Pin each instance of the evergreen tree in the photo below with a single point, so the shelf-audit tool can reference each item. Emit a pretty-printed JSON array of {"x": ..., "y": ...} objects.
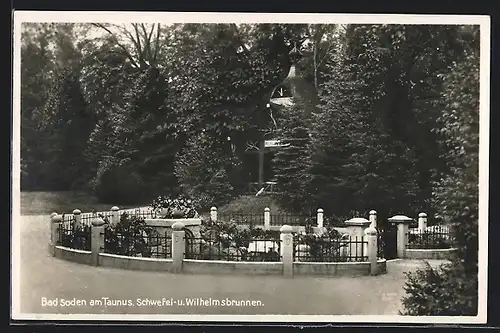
[
  {"x": 207, "y": 170},
  {"x": 65, "y": 130},
  {"x": 292, "y": 161}
]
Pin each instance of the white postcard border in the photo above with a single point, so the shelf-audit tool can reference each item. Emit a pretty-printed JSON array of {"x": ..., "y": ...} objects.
[{"x": 198, "y": 17}]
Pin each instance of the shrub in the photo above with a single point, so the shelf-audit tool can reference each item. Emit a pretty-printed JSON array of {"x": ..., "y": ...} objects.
[
  {"x": 446, "y": 291},
  {"x": 207, "y": 170},
  {"x": 76, "y": 237},
  {"x": 129, "y": 237},
  {"x": 322, "y": 247},
  {"x": 179, "y": 207},
  {"x": 225, "y": 239}
]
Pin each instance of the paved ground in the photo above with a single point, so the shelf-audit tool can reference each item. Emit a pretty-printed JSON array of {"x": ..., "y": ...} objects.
[{"x": 43, "y": 276}]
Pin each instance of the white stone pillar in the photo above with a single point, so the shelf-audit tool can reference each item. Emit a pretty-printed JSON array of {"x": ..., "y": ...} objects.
[
  {"x": 178, "y": 246},
  {"x": 213, "y": 214},
  {"x": 267, "y": 218},
  {"x": 97, "y": 239},
  {"x": 371, "y": 238},
  {"x": 286, "y": 239},
  {"x": 55, "y": 224},
  {"x": 373, "y": 219},
  {"x": 77, "y": 221},
  {"x": 402, "y": 223},
  {"x": 422, "y": 222},
  {"x": 115, "y": 216},
  {"x": 319, "y": 218}
]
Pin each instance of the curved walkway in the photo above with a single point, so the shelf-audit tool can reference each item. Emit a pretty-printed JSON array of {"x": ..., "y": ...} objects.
[{"x": 45, "y": 277}]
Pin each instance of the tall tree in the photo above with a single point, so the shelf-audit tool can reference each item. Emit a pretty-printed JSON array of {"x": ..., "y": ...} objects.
[
  {"x": 292, "y": 161},
  {"x": 46, "y": 50}
]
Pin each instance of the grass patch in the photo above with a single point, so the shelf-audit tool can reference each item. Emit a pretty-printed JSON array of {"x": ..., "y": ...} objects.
[
  {"x": 46, "y": 202},
  {"x": 250, "y": 204}
]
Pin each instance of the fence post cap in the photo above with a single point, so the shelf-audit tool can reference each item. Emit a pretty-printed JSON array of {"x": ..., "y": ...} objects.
[
  {"x": 286, "y": 229},
  {"x": 97, "y": 222},
  {"x": 267, "y": 209},
  {"x": 115, "y": 209},
  {"x": 57, "y": 218},
  {"x": 400, "y": 219},
  {"x": 422, "y": 215},
  {"x": 213, "y": 208},
  {"x": 178, "y": 226},
  {"x": 373, "y": 212},
  {"x": 370, "y": 231},
  {"x": 320, "y": 210},
  {"x": 77, "y": 211},
  {"x": 357, "y": 221},
  {"x": 53, "y": 214}
]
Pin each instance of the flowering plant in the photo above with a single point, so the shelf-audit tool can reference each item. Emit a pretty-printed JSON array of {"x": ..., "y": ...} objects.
[{"x": 180, "y": 207}]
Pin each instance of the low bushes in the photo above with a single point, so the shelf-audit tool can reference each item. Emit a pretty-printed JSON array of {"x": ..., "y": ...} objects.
[
  {"x": 128, "y": 237},
  {"x": 75, "y": 237},
  {"x": 446, "y": 291},
  {"x": 179, "y": 207}
]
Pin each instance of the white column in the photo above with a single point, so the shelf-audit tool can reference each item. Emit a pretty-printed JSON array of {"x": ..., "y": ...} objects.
[
  {"x": 286, "y": 239},
  {"x": 267, "y": 218},
  {"x": 371, "y": 236},
  {"x": 373, "y": 219},
  {"x": 213, "y": 214},
  {"x": 77, "y": 222},
  {"x": 178, "y": 246},
  {"x": 115, "y": 215},
  {"x": 319, "y": 218},
  {"x": 402, "y": 222},
  {"x": 97, "y": 239},
  {"x": 422, "y": 222}
]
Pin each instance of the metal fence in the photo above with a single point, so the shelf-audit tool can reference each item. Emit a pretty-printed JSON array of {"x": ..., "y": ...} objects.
[
  {"x": 75, "y": 237},
  {"x": 347, "y": 249},
  {"x": 257, "y": 250},
  {"x": 435, "y": 237},
  {"x": 291, "y": 219},
  {"x": 241, "y": 219},
  {"x": 132, "y": 242},
  {"x": 258, "y": 219},
  {"x": 144, "y": 213}
]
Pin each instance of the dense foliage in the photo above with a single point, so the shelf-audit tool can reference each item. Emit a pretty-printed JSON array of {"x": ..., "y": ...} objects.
[
  {"x": 453, "y": 289},
  {"x": 444, "y": 291},
  {"x": 128, "y": 237},
  {"x": 178, "y": 207}
]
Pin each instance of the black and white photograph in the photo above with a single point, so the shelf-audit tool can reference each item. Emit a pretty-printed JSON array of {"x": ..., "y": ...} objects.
[{"x": 253, "y": 167}]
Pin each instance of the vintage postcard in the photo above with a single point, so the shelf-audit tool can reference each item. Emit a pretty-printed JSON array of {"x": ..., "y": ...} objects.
[{"x": 257, "y": 167}]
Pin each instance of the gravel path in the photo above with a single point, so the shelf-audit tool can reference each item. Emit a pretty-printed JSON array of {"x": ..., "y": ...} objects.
[{"x": 44, "y": 277}]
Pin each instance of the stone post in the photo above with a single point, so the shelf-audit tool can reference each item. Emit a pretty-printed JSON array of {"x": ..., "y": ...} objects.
[
  {"x": 178, "y": 246},
  {"x": 319, "y": 218},
  {"x": 77, "y": 221},
  {"x": 371, "y": 237},
  {"x": 356, "y": 228},
  {"x": 55, "y": 224},
  {"x": 115, "y": 215},
  {"x": 286, "y": 239},
  {"x": 51, "y": 218},
  {"x": 213, "y": 214},
  {"x": 422, "y": 222},
  {"x": 97, "y": 239},
  {"x": 373, "y": 219},
  {"x": 402, "y": 223},
  {"x": 267, "y": 218}
]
